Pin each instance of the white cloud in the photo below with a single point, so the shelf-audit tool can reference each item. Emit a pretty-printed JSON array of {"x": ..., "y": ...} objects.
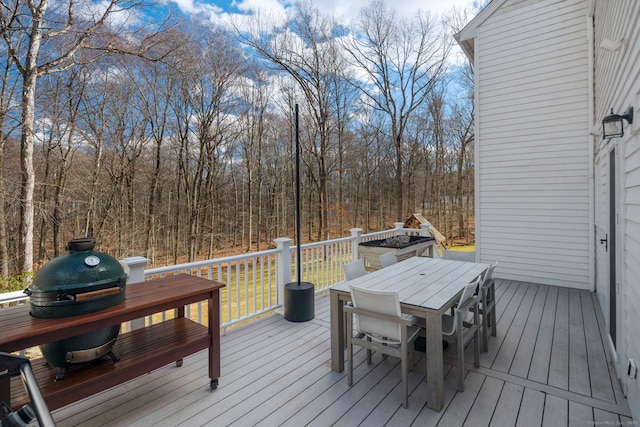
[
  {"x": 191, "y": 7},
  {"x": 345, "y": 11},
  {"x": 186, "y": 6},
  {"x": 348, "y": 11},
  {"x": 274, "y": 6}
]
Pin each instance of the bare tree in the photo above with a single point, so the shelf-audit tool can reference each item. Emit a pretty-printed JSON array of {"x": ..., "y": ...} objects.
[
  {"x": 155, "y": 85},
  {"x": 253, "y": 138},
  {"x": 8, "y": 87},
  {"x": 42, "y": 42},
  {"x": 308, "y": 51},
  {"x": 62, "y": 95},
  {"x": 203, "y": 103},
  {"x": 401, "y": 61}
]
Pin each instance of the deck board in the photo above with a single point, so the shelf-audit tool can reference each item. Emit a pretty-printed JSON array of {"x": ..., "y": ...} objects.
[
  {"x": 578, "y": 366},
  {"x": 485, "y": 404},
  {"x": 458, "y": 410},
  {"x": 539, "y": 369},
  {"x": 522, "y": 359},
  {"x": 580, "y": 415},
  {"x": 513, "y": 338},
  {"x": 506, "y": 412},
  {"x": 598, "y": 368},
  {"x": 559, "y": 363},
  {"x": 556, "y": 411},
  {"x": 531, "y": 408},
  {"x": 506, "y": 313},
  {"x": 276, "y": 372}
]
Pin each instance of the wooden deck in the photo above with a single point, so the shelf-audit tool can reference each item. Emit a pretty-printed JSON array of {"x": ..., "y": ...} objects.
[{"x": 547, "y": 366}]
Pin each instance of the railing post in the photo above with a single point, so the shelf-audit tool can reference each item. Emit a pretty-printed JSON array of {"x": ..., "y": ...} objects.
[
  {"x": 425, "y": 231},
  {"x": 356, "y": 233},
  {"x": 134, "y": 268},
  {"x": 283, "y": 269},
  {"x": 399, "y": 225}
]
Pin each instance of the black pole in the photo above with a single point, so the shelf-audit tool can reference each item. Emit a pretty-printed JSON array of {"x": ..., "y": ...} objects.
[
  {"x": 299, "y": 296},
  {"x": 298, "y": 268}
]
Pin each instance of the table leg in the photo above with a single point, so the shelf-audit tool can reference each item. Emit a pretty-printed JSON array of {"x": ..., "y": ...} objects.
[
  {"x": 337, "y": 337},
  {"x": 179, "y": 312},
  {"x": 435, "y": 364},
  {"x": 214, "y": 333},
  {"x": 5, "y": 388}
]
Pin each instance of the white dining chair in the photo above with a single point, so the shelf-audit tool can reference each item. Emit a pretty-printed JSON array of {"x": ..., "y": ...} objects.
[
  {"x": 458, "y": 255},
  {"x": 487, "y": 305},
  {"x": 388, "y": 258},
  {"x": 354, "y": 269},
  {"x": 460, "y": 326},
  {"x": 380, "y": 327}
]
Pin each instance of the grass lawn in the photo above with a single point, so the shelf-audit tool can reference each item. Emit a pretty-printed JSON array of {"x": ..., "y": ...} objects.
[{"x": 466, "y": 248}]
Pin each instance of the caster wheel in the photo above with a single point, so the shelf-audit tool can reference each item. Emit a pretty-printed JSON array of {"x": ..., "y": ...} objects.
[
  {"x": 214, "y": 384},
  {"x": 179, "y": 363}
]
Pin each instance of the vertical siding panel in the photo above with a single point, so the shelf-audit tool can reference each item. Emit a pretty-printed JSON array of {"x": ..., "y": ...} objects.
[
  {"x": 533, "y": 142},
  {"x": 618, "y": 87}
]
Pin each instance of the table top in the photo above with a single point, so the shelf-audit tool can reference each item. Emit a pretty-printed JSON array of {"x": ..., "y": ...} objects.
[
  {"x": 18, "y": 329},
  {"x": 427, "y": 283}
]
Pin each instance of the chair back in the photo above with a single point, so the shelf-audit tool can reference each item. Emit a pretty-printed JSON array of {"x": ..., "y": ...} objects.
[
  {"x": 469, "y": 291},
  {"x": 388, "y": 258},
  {"x": 458, "y": 255},
  {"x": 354, "y": 269},
  {"x": 383, "y": 302},
  {"x": 488, "y": 275},
  {"x": 467, "y": 294}
]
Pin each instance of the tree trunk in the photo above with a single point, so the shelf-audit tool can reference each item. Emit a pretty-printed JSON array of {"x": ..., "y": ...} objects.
[
  {"x": 26, "y": 162},
  {"x": 4, "y": 250}
]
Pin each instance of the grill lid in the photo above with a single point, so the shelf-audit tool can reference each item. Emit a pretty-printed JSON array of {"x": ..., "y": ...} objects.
[{"x": 81, "y": 275}]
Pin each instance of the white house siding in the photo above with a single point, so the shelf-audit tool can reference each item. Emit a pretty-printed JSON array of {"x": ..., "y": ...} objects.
[
  {"x": 532, "y": 142},
  {"x": 617, "y": 86}
]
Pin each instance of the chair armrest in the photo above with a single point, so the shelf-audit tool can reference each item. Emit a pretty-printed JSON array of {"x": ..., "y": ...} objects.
[
  {"x": 471, "y": 302},
  {"x": 488, "y": 283},
  {"x": 405, "y": 319}
]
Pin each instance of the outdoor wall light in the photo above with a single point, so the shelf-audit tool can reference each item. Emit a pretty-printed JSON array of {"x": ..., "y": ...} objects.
[{"x": 613, "y": 126}]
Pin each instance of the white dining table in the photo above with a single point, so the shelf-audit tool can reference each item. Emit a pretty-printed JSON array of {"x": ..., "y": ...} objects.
[{"x": 427, "y": 288}]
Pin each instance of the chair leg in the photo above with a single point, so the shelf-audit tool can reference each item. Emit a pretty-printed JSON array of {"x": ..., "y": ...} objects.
[
  {"x": 350, "y": 364},
  {"x": 485, "y": 321},
  {"x": 350, "y": 350},
  {"x": 412, "y": 359},
  {"x": 460, "y": 343},
  {"x": 493, "y": 310},
  {"x": 404, "y": 367},
  {"x": 476, "y": 341}
]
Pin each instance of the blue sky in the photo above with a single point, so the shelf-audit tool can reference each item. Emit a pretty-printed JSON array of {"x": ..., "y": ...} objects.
[{"x": 343, "y": 10}]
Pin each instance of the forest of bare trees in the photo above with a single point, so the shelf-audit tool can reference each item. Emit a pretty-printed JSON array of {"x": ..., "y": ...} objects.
[{"x": 176, "y": 141}]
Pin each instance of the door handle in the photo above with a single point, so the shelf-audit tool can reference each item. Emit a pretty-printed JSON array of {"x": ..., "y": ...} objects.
[{"x": 606, "y": 242}]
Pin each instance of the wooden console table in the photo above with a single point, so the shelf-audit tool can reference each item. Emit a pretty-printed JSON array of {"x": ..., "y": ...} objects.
[{"x": 140, "y": 351}]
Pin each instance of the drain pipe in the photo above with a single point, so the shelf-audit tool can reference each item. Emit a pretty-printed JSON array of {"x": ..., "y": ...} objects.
[{"x": 593, "y": 143}]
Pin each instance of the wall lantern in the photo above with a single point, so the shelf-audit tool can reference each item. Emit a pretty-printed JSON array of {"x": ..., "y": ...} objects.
[{"x": 613, "y": 126}]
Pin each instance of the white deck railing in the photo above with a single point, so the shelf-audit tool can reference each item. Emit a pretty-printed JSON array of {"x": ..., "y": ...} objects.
[{"x": 254, "y": 281}]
